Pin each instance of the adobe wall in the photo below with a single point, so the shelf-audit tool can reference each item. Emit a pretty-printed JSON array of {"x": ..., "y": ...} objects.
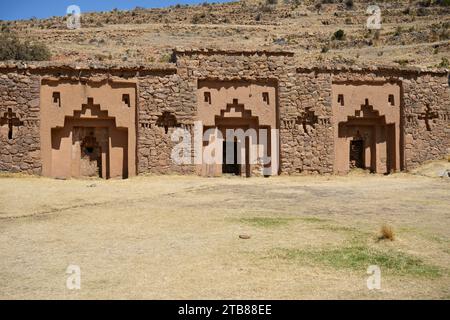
[
  {"x": 258, "y": 98},
  {"x": 233, "y": 105},
  {"x": 70, "y": 104},
  {"x": 368, "y": 111}
]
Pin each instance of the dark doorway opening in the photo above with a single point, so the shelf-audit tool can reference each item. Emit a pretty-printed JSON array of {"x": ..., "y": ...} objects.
[
  {"x": 230, "y": 163},
  {"x": 91, "y": 157},
  {"x": 357, "y": 154}
]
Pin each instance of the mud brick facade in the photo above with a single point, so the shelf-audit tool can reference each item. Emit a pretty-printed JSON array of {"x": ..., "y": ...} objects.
[{"x": 118, "y": 121}]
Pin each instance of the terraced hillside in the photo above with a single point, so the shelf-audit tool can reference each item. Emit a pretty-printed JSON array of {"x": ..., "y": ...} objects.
[{"x": 414, "y": 33}]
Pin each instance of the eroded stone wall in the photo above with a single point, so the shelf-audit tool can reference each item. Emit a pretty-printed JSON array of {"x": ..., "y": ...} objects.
[
  {"x": 19, "y": 122},
  {"x": 426, "y": 118},
  {"x": 306, "y": 129},
  {"x": 166, "y": 102},
  {"x": 167, "y": 99}
]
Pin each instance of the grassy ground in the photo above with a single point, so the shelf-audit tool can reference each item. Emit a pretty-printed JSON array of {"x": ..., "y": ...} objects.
[{"x": 178, "y": 237}]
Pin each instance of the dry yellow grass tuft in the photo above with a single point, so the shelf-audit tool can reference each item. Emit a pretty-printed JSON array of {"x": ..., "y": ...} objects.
[{"x": 387, "y": 233}]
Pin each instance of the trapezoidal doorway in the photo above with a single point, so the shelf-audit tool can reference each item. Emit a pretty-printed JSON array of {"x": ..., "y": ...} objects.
[
  {"x": 88, "y": 129},
  {"x": 90, "y": 145},
  {"x": 238, "y": 150},
  {"x": 366, "y": 120},
  {"x": 371, "y": 143},
  {"x": 239, "y": 120}
]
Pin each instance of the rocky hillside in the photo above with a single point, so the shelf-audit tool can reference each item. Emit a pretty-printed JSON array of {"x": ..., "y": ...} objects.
[{"x": 414, "y": 33}]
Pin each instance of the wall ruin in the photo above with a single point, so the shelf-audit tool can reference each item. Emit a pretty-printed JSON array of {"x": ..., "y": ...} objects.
[{"x": 64, "y": 121}]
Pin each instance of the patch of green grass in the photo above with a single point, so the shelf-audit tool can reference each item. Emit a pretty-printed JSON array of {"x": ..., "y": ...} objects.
[
  {"x": 314, "y": 219},
  {"x": 337, "y": 228},
  {"x": 359, "y": 258},
  {"x": 355, "y": 236},
  {"x": 407, "y": 229},
  {"x": 266, "y": 222},
  {"x": 436, "y": 238}
]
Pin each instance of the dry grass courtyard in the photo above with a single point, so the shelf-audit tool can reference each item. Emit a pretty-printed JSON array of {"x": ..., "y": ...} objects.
[{"x": 172, "y": 237}]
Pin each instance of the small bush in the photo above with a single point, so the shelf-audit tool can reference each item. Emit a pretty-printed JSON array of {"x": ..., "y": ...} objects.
[
  {"x": 444, "y": 63},
  {"x": 339, "y": 35},
  {"x": 376, "y": 35},
  {"x": 402, "y": 62},
  {"x": 318, "y": 6},
  {"x": 196, "y": 19},
  {"x": 444, "y": 3},
  {"x": 424, "y": 3},
  {"x": 421, "y": 12},
  {"x": 11, "y": 48},
  {"x": 165, "y": 58},
  {"x": 266, "y": 8}
]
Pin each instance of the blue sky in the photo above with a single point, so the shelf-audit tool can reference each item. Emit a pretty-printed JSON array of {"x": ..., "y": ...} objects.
[{"x": 25, "y": 9}]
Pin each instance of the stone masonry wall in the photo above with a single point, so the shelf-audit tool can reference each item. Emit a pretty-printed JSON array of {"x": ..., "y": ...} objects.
[
  {"x": 163, "y": 100},
  {"x": 307, "y": 144},
  {"x": 426, "y": 119},
  {"x": 167, "y": 100},
  {"x": 20, "y": 93}
]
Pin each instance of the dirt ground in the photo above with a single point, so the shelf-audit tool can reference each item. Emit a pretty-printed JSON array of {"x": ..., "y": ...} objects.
[{"x": 173, "y": 237}]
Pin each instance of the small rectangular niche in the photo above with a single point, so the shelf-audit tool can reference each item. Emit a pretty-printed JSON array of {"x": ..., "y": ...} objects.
[
  {"x": 266, "y": 97},
  {"x": 341, "y": 99},
  {"x": 126, "y": 100},
  {"x": 56, "y": 99},
  {"x": 391, "y": 100},
  {"x": 207, "y": 96}
]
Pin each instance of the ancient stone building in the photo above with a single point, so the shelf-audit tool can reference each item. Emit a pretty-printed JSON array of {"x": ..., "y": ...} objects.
[{"x": 119, "y": 121}]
